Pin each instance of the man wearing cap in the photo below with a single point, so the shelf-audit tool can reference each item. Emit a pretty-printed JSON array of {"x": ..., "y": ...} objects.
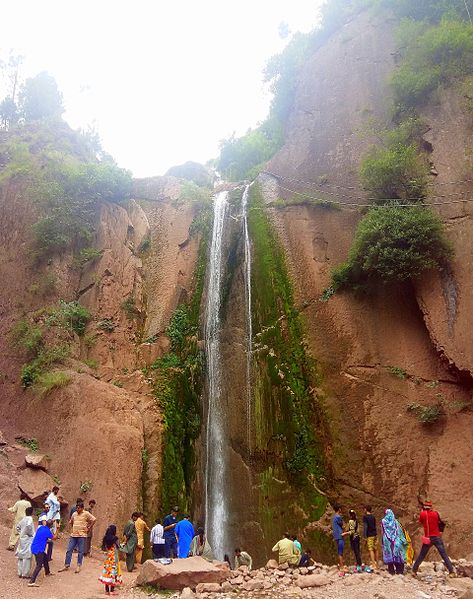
[
  {"x": 38, "y": 549},
  {"x": 431, "y": 522},
  {"x": 169, "y": 525}
]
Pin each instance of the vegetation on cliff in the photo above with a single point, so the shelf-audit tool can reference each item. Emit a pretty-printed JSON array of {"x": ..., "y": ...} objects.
[
  {"x": 289, "y": 421},
  {"x": 177, "y": 381}
]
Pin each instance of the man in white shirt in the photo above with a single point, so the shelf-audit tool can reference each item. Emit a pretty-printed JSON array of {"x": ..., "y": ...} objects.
[{"x": 157, "y": 541}]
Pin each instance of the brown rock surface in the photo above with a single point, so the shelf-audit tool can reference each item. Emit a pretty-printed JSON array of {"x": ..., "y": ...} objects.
[
  {"x": 35, "y": 483},
  {"x": 181, "y": 573},
  {"x": 37, "y": 460},
  {"x": 312, "y": 580}
]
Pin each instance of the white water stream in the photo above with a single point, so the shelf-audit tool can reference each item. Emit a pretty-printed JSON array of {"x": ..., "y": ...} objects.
[
  {"x": 216, "y": 509},
  {"x": 249, "y": 326}
]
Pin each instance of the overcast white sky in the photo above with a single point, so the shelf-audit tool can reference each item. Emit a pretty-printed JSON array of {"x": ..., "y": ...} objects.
[{"x": 162, "y": 81}]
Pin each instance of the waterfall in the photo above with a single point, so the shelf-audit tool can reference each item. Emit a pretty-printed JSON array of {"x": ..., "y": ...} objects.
[
  {"x": 216, "y": 509},
  {"x": 249, "y": 330}
]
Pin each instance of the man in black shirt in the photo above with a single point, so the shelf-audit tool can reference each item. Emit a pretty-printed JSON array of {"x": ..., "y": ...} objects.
[{"x": 371, "y": 535}]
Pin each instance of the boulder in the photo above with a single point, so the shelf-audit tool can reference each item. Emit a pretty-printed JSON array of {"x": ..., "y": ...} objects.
[
  {"x": 237, "y": 580},
  {"x": 187, "y": 593},
  {"x": 253, "y": 585},
  {"x": 208, "y": 587},
  {"x": 181, "y": 573},
  {"x": 272, "y": 564},
  {"x": 227, "y": 587},
  {"x": 312, "y": 580},
  {"x": 37, "y": 460},
  {"x": 2, "y": 439},
  {"x": 35, "y": 483},
  {"x": 465, "y": 569}
]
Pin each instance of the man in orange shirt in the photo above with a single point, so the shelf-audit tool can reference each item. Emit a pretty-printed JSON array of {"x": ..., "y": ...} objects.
[
  {"x": 140, "y": 526},
  {"x": 81, "y": 524}
]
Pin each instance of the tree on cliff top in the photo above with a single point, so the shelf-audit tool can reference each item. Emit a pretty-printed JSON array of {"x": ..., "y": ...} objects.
[{"x": 40, "y": 98}]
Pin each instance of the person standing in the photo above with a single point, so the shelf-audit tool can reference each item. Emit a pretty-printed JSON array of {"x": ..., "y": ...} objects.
[
  {"x": 338, "y": 534},
  {"x": 38, "y": 549},
  {"x": 287, "y": 552},
  {"x": 433, "y": 526},
  {"x": 140, "y": 526},
  {"x": 184, "y": 535},
  {"x": 156, "y": 540},
  {"x": 54, "y": 513},
  {"x": 371, "y": 535},
  {"x": 81, "y": 523},
  {"x": 130, "y": 541},
  {"x": 88, "y": 540},
  {"x": 200, "y": 546},
  {"x": 242, "y": 558},
  {"x": 394, "y": 543},
  {"x": 111, "y": 572},
  {"x": 354, "y": 538},
  {"x": 169, "y": 525},
  {"x": 23, "y": 551},
  {"x": 19, "y": 509}
]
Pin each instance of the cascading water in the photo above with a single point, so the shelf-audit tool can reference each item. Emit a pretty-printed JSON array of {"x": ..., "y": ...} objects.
[
  {"x": 216, "y": 507},
  {"x": 249, "y": 338}
]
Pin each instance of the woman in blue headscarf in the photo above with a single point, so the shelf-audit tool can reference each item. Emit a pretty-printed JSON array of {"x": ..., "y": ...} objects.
[{"x": 394, "y": 543}]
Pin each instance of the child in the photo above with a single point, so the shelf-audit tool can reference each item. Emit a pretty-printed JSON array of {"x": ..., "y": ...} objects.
[
  {"x": 111, "y": 572},
  {"x": 355, "y": 538}
]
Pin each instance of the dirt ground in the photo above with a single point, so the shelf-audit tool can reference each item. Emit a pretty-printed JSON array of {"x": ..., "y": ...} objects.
[{"x": 63, "y": 585}]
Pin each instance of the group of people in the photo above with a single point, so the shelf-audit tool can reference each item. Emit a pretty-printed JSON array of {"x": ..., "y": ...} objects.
[
  {"x": 396, "y": 544},
  {"x": 176, "y": 538}
]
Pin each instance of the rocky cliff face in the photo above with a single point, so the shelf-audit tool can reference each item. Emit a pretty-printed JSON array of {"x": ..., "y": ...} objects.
[
  {"x": 102, "y": 431},
  {"x": 404, "y": 345}
]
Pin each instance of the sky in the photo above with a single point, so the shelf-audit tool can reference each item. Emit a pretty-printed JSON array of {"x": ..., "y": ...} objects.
[{"x": 161, "y": 81}]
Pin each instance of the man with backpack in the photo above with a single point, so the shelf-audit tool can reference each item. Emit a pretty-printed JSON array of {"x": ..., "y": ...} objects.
[{"x": 433, "y": 528}]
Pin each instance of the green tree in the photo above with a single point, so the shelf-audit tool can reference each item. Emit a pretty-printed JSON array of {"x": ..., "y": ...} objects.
[
  {"x": 8, "y": 113},
  {"x": 40, "y": 98}
]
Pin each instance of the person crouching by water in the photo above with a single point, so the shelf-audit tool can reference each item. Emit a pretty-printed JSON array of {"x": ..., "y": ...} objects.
[
  {"x": 242, "y": 558},
  {"x": 38, "y": 549},
  {"x": 354, "y": 538},
  {"x": 130, "y": 541},
  {"x": 111, "y": 572},
  {"x": 201, "y": 546},
  {"x": 156, "y": 539},
  {"x": 394, "y": 543},
  {"x": 23, "y": 551},
  {"x": 433, "y": 527},
  {"x": 287, "y": 552}
]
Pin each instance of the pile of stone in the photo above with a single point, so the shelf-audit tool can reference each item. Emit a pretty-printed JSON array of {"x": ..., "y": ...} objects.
[
  {"x": 34, "y": 479},
  {"x": 274, "y": 581}
]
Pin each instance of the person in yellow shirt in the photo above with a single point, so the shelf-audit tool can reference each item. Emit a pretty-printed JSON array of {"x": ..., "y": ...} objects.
[
  {"x": 287, "y": 551},
  {"x": 140, "y": 526},
  {"x": 19, "y": 509}
]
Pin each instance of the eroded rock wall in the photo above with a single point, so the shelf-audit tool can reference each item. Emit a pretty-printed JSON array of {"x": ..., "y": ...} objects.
[{"x": 403, "y": 345}]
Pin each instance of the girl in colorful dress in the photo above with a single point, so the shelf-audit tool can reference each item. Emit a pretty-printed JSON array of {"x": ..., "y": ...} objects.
[{"x": 111, "y": 572}]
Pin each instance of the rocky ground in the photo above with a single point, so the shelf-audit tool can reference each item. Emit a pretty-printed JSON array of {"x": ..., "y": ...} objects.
[{"x": 270, "y": 582}]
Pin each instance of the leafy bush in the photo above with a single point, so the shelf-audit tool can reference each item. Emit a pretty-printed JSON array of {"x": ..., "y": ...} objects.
[
  {"x": 167, "y": 361},
  {"x": 397, "y": 371},
  {"x": 429, "y": 10},
  {"x": 129, "y": 307},
  {"x": 31, "y": 443},
  {"x": 91, "y": 363},
  {"x": 46, "y": 357},
  {"x": 393, "y": 244},
  {"x": 70, "y": 315},
  {"x": 439, "y": 55},
  {"x": 40, "y": 98},
  {"x": 48, "y": 381},
  {"x": 44, "y": 285},
  {"x": 27, "y": 335},
  {"x": 180, "y": 328},
  {"x": 427, "y": 414},
  {"x": 398, "y": 172},
  {"x": 87, "y": 254}
]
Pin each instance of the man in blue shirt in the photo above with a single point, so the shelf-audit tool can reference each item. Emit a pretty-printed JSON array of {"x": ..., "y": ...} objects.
[
  {"x": 184, "y": 534},
  {"x": 38, "y": 549},
  {"x": 169, "y": 525},
  {"x": 338, "y": 534}
]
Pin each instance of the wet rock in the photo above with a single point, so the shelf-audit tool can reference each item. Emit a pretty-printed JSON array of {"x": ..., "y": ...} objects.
[
  {"x": 272, "y": 564},
  {"x": 181, "y": 573},
  {"x": 313, "y": 580},
  {"x": 37, "y": 460}
]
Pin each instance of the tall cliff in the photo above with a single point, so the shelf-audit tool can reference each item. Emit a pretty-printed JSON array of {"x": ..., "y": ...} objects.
[{"x": 404, "y": 344}]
